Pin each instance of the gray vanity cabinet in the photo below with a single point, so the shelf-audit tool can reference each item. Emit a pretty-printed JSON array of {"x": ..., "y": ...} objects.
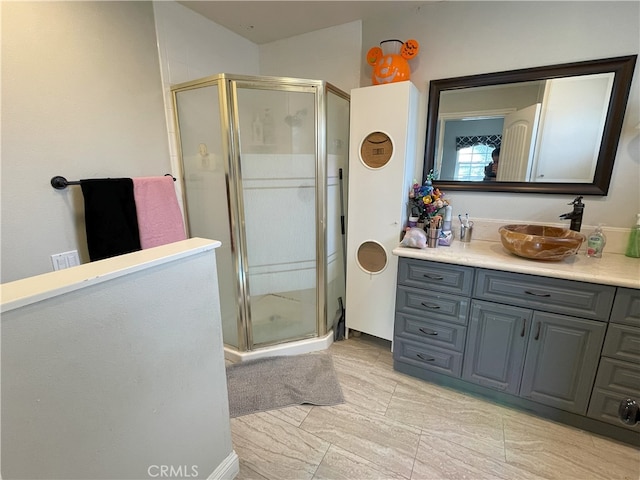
[
  {"x": 496, "y": 345},
  {"x": 432, "y": 309},
  {"x": 563, "y": 327},
  {"x": 561, "y": 362},
  {"x": 618, "y": 376},
  {"x": 548, "y": 358},
  {"x": 567, "y": 297},
  {"x": 565, "y": 349}
]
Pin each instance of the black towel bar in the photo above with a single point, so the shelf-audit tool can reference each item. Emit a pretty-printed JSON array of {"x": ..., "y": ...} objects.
[{"x": 60, "y": 183}]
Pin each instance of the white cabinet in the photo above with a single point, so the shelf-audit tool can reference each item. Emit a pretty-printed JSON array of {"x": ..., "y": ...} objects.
[{"x": 382, "y": 166}]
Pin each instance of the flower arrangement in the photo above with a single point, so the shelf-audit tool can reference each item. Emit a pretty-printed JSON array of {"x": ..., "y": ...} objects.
[{"x": 427, "y": 202}]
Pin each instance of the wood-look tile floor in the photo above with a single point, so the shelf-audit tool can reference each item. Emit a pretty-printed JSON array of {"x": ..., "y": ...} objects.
[{"x": 393, "y": 426}]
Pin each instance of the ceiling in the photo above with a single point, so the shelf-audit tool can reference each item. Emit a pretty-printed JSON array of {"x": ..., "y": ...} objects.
[{"x": 267, "y": 21}]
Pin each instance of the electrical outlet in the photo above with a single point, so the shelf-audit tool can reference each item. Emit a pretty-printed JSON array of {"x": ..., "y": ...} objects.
[{"x": 65, "y": 260}]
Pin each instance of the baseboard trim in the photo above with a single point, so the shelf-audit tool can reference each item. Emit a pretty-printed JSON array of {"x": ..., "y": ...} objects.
[
  {"x": 298, "y": 347},
  {"x": 228, "y": 468}
]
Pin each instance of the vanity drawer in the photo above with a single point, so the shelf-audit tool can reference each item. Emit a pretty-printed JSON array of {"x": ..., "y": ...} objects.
[
  {"x": 604, "y": 407},
  {"x": 623, "y": 342},
  {"x": 626, "y": 308},
  {"x": 618, "y": 376},
  {"x": 440, "y": 334},
  {"x": 428, "y": 357},
  {"x": 578, "y": 299},
  {"x": 431, "y": 305},
  {"x": 442, "y": 277}
]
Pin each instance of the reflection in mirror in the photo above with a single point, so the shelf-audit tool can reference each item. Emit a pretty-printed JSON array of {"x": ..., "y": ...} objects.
[
  {"x": 531, "y": 123},
  {"x": 556, "y": 128}
]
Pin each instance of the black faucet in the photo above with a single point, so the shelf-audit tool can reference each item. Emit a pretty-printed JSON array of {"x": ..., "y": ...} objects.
[{"x": 576, "y": 215}]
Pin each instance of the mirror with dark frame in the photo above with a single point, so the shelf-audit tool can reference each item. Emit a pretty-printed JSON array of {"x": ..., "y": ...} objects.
[{"x": 556, "y": 128}]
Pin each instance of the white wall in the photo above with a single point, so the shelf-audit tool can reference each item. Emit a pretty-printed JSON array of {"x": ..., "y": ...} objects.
[
  {"x": 115, "y": 366},
  {"x": 192, "y": 47},
  {"x": 331, "y": 54},
  {"x": 81, "y": 98},
  {"x": 464, "y": 38}
]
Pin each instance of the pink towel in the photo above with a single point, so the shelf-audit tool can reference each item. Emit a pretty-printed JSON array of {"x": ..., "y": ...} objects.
[{"x": 159, "y": 216}]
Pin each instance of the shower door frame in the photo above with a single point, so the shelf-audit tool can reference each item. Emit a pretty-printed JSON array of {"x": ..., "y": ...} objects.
[{"x": 281, "y": 84}]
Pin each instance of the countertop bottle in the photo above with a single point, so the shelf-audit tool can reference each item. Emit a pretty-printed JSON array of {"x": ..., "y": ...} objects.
[
  {"x": 633, "y": 246},
  {"x": 596, "y": 242},
  {"x": 446, "y": 225}
]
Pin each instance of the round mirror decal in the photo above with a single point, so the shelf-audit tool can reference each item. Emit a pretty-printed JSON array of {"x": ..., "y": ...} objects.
[
  {"x": 372, "y": 257},
  {"x": 376, "y": 150}
]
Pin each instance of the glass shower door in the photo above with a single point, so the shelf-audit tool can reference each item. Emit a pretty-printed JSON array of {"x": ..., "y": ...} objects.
[
  {"x": 207, "y": 209},
  {"x": 277, "y": 176}
]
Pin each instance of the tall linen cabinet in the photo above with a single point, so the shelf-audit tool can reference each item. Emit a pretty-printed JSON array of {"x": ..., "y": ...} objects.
[{"x": 382, "y": 166}]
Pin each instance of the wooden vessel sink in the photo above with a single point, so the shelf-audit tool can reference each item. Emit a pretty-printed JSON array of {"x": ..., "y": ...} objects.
[{"x": 540, "y": 242}]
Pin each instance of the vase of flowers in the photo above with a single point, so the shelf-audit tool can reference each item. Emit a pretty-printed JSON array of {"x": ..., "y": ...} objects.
[{"x": 427, "y": 203}]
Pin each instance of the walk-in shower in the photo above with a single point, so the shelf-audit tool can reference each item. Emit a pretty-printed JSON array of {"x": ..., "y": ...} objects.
[{"x": 264, "y": 164}]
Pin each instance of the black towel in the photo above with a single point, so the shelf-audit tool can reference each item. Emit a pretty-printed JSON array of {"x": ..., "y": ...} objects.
[{"x": 110, "y": 217}]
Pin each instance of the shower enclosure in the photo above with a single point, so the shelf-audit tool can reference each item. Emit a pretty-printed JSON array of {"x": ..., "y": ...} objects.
[{"x": 264, "y": 164}]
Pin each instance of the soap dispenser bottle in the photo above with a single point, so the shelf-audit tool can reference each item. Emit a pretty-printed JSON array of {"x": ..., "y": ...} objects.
[
  {"x": 596, "y": 242},
  {"x": 633, "y": 247}
]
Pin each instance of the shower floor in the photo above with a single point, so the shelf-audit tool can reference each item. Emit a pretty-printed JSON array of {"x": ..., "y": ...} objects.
[{"x": 283, "y": 316}]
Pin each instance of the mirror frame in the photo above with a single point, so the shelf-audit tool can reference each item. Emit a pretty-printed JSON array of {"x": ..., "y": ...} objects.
[{"x": 622, "y": 67}]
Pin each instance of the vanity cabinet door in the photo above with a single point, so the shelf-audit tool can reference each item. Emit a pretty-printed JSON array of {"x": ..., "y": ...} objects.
[
  {"x": 626, "y": 308},
  {"x": 622, "y": 342},
  {"x": 561, "y": 361},
  {"x": 615, "y": 382},
  {"x": 496, "y": 343}
]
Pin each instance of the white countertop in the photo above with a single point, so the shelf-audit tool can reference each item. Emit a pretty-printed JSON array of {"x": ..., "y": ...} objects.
[
  {"x": 611, "y": 269},
  {"x": 33, "y": 289}
]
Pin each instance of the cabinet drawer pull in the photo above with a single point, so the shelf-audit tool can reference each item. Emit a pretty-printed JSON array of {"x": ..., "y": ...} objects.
[
  {"x": 537, "y": 294},
  {"x": 538, "y": 331},
  {"x": 433, "y": 277},
  {"x": 428, "y": 332},
  {"x": 629, "y": 412},
  {"x": 524, "y": 326},
  {"x": 430, "y": 305},
  {"x": 431, "y": 359}
]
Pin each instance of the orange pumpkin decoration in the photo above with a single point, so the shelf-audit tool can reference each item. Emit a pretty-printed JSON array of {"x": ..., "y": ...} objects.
[
  {"x": 373, "y": 55},
  {"x": 410, "y": 49},
  {"x": 392, "y": 67}
]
